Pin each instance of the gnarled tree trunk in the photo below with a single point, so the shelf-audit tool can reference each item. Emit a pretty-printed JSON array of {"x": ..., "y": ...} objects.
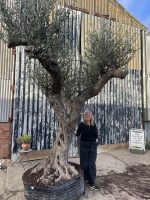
[{"x": 56, "y": 167}]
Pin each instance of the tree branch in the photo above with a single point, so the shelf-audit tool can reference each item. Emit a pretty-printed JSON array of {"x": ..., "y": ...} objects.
[
  {"x": 48, "y": 64},
  {"x": 97, "y": 87},
  {"x": 52, "y": 68},
  {"x": 92, "y": 91},
  {"x": 17, "y": 43}
]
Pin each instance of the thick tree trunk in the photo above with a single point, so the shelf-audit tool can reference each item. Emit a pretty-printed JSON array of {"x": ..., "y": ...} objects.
[{"x": 56, "y": 168}]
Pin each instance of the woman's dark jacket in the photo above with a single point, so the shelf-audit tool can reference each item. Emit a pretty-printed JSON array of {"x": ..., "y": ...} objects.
[{"x": 87, "y": 133}]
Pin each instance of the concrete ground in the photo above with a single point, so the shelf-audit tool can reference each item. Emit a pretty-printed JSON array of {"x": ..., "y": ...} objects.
[{"x": 116, "y": 161}]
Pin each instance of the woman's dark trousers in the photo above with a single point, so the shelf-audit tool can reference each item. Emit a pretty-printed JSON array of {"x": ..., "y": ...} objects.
[{"x": 88, "y": 154}]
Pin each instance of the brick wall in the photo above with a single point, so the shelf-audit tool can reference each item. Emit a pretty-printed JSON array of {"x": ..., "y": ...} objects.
[{"x": 5, "y": 140}]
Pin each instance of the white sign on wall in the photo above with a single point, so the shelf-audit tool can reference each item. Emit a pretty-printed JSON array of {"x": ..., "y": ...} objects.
[{"x": 137, "y": 138}]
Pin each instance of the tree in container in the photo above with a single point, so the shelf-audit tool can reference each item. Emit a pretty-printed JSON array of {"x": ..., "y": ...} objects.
[{"x": 40, "y": 27}]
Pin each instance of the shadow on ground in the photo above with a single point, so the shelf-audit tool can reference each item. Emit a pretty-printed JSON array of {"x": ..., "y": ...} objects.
[{"x": 135, "y": 182}]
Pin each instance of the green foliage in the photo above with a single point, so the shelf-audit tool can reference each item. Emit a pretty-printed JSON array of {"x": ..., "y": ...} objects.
[
  {"x": 25, "y": 138},
  {"x": 38, "y": 75},
  {"x": 33, "y": 23},
  {"x": 147, "y": 146},
  {"x": 37, "y": 24},
  {"x": 112, "y": 47}
]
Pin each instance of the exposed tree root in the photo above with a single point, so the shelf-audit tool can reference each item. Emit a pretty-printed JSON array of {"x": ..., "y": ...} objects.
[
  {"x": 52, "y": 175},
  {"x": 56, "y": 168}
]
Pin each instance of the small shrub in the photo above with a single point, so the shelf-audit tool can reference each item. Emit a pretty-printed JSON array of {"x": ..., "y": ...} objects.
[
  {"x": 25, "y": 138},
  {"x": 147, "y": 146}
]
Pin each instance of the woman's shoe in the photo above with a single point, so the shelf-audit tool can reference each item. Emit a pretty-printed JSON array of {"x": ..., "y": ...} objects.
[{"x": 94, "y": 187}]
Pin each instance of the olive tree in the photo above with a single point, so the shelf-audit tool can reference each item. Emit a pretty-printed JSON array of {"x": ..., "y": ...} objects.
[{"x": 39, "y": 26}]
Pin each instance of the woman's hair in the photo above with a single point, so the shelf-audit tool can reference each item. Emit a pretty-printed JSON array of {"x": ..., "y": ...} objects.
[{"x": 92, "y": 118}]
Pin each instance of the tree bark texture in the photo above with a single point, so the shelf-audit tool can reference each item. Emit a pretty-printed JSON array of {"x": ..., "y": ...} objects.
[{"x": 56, "y": 167}]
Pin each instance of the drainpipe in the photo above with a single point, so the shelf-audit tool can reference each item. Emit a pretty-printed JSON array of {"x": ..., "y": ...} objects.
[
  {"x": 143, "y": 76},
  {"x": 13, "y": 87},
  {"x": 13, "y": 96}
]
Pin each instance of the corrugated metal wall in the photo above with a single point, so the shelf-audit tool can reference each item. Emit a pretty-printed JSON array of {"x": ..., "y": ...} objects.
[
  {"x": 147, "y": 87},
  {"x": 6, "y": 79},
  {"x": 116, "y": 109},
  {"x": 6, "y": 82},
  {"x": 148, "y": 77}
]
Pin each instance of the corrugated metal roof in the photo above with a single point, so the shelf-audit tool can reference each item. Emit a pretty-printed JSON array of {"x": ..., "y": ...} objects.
[
  {"x": 112, "y": 8},
  {"x": 130, "y": 15}
]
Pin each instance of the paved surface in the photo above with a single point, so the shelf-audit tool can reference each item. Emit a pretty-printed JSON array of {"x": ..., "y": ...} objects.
[{"x": 11, "y": 186}]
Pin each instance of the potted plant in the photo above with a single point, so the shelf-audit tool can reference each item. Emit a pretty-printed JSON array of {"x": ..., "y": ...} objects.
[{"x": 25, "y": 141}]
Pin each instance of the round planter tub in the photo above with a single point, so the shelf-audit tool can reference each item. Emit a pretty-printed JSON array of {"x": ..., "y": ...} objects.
[{"x": 68, "y": 190}]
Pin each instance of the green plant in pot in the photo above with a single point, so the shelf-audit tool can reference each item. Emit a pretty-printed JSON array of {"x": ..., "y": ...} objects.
[{"x": 25, "y": 141}]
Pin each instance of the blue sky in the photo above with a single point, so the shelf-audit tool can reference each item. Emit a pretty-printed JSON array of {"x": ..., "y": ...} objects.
[{"x": 140, "y": 9}]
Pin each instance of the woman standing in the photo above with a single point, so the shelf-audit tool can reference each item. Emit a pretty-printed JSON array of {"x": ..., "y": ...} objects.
[{"x": 88, "y": 133}]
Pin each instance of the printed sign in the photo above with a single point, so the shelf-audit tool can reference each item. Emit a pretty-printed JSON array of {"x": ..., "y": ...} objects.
[{"x": 137, "y": 139}]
